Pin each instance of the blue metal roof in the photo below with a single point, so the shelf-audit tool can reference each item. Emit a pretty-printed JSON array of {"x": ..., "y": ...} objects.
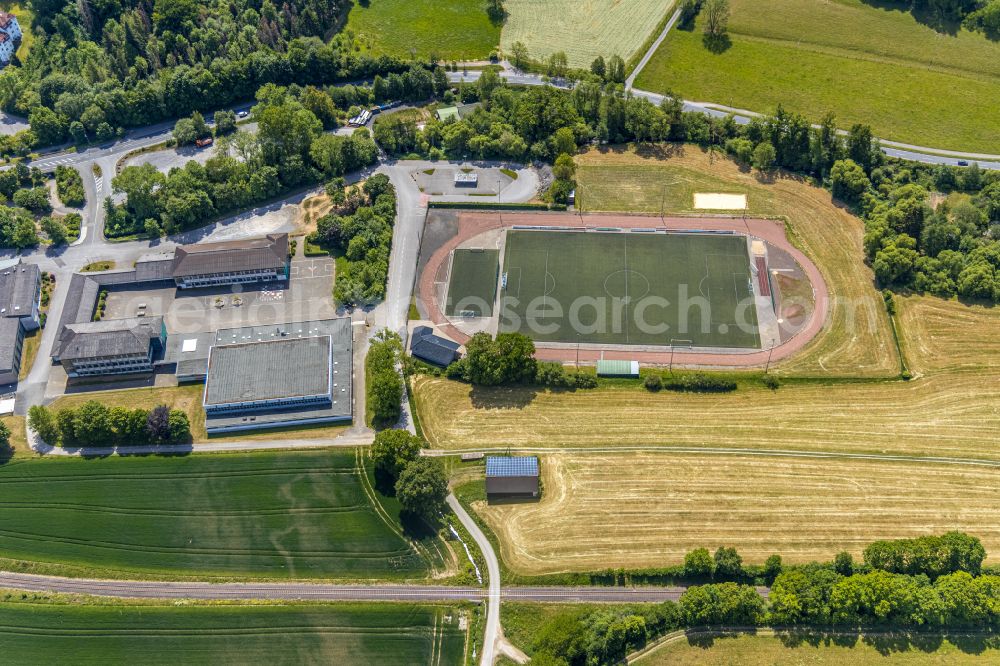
[{"x": 512, "y": 466}]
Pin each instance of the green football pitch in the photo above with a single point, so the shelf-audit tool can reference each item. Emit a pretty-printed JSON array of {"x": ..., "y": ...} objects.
[
  {"x": 472, "y": 286},
  {"x": 629, "y": 288}
]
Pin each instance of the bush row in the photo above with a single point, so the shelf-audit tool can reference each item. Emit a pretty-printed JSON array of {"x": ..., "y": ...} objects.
[
  {"x": 697, "y": 382},
  {"x": 94, "y": 424}
]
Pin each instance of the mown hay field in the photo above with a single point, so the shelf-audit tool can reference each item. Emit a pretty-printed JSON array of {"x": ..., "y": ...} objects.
[
  {"x": 350, "y": 633},
  {"x": 449, "y": 29},
  {"x": 872, "y": 64},
  {"x": 583, "y": 29},
  {"x": 952, "y": 415},
  {"x": 818, "y": 650},
  {"x": 260, "y": 515},
  {"x": 856, "y": 339},
  {"x": 637, "y": 510}
]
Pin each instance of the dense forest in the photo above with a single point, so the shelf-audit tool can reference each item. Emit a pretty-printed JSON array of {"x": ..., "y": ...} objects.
[{"x": 98, "y": 66}]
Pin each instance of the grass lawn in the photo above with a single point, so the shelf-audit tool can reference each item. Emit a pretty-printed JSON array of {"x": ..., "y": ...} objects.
[
  {"x": 186, "y": 397},
  {"x": 857, "y": 340},
  {"x": 626, "y": 280},
  {"x": 18, "y": 440},
  {"x": 705, "y": 650},
  {"x": 379, "y": 633},
  {"x": 869, "y": 64},
  {"x": 583, "y": 30},
  {"x": 32, "y": 341},
  {"x": 449, "y": 29},
  {"x": 98, "y": 266},
  {"x": 472, "y": 285},
  {"x": 639, "y": 510},
  {"x": 260, "y": 515}
]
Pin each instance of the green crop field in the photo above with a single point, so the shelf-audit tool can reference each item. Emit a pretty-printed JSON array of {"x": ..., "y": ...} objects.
[
  {"x": 583, "y": 29},
  {"x": 449, "y": 29},
  {"x": 272, "y": 515},
  {"x": 866, "y": 63},
  {"x": 848, "y": 650},
  {"x": 473, "y": 282},
  {"x": 49, "y": 633},
  {"x": 629, "y": 288}
]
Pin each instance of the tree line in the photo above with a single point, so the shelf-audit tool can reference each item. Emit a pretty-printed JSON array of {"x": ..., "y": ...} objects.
[
  {"x": 94, "y": 424},
  {"x": 419, "y": 483},
  {"x": 820, "y": 596}
]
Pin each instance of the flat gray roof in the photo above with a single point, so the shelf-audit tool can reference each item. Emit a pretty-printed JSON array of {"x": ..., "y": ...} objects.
[{"x": 268, "y": 370}]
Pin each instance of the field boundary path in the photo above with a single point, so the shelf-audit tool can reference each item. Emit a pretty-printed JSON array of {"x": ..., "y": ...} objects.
[{"x": 648, "y": 55}]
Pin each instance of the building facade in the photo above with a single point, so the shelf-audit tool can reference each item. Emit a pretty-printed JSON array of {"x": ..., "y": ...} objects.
[
  {"x": 111, "y": 347},
  {"x": 10, "y": 37},
  {"x": 20, "y": 301},
  {"x": 231, "y": 262}
]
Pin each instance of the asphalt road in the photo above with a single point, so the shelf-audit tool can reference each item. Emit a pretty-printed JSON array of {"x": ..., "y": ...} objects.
[
  {"x": 333, "y": 592},
  {"x": 493, "y": 630}
]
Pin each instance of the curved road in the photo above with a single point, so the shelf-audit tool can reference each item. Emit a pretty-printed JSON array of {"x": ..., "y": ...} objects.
[{"x": 493, "y": 629}]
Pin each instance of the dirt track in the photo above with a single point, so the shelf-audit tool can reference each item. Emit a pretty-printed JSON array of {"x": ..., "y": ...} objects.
[{"x": 472, "y": 224}]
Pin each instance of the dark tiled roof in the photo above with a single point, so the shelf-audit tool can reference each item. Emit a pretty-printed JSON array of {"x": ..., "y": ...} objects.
[
  {"x": 228, "y": 256},
  {"x": 111, "y": 337},
  {"x": 433, "y": 348},
  {"x": 18, "y": 287}
]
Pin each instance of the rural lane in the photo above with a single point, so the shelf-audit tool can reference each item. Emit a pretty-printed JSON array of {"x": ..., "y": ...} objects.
[
  {"x": 329, "y": 592},
  {"x": 493, "y": 630}
]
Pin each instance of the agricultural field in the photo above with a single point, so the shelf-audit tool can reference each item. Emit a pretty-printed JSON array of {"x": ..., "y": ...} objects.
[
  {"x": 638, "y": 510},
  {"x": 260, "y": 515},
  {"x": 448, "y": 29},
  {"x": 707, "y": 650},
  {"x": 857, "y": 340},
  {"x": 867, "y": 63},
  {"x": 583, "y": 29},
  {"x": 943, "y": 414},
  {"x": 380, "y": 633}
]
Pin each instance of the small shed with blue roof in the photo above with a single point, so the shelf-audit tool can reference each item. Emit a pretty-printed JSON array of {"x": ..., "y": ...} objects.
[{"x": 511, "y": 476}]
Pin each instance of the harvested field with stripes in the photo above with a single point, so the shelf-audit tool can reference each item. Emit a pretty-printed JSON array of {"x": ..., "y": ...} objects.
[
  {"x": 349, "y": 633},
  {"x": 648, "y": 509},
  {"x": 260, "y": 515},
  {"x": 952, "y": 415},
  {"x": 583, "y": 29}
]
